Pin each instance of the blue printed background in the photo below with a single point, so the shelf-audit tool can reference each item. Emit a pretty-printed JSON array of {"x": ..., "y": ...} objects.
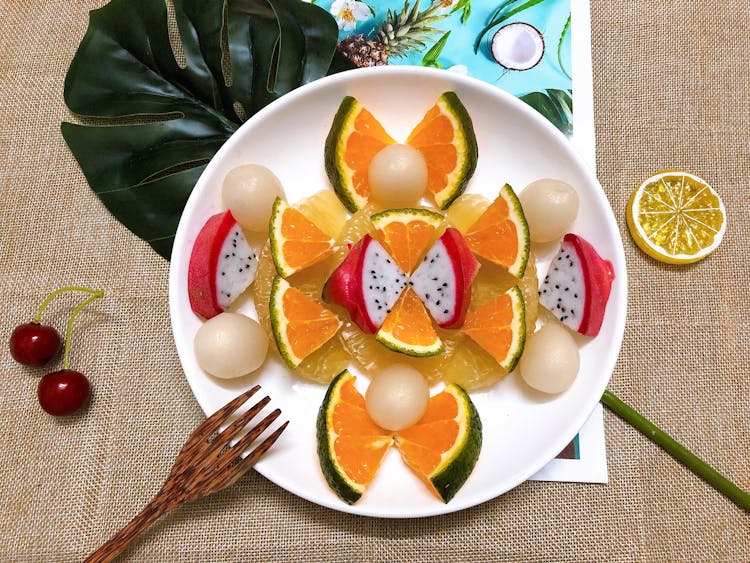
[{"x": 548, "y": 16}]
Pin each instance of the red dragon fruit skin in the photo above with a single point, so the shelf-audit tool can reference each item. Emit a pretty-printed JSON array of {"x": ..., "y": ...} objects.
[
  {"x": 344, "y": 287},
  {"x": 577, "y": 286},
  {"x": 220, "y": 234},
  {"x": 367, "y": 283},
  {"x": 443, "y": 279}
]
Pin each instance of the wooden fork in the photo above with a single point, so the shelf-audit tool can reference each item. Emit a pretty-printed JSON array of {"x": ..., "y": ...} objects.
[{"x": 207, "y": 463}]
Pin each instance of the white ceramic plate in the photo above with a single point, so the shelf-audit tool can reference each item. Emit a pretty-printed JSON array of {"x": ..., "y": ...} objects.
[{"x": 523, "y": 430}]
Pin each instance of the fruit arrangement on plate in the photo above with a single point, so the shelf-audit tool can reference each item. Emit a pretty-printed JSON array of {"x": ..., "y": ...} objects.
[{"x": 397, "y": 272}]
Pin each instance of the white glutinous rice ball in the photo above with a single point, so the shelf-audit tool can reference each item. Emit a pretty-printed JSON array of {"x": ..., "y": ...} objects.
[
  {"x": 230, "y": 345},
  {"x": 550, "y": 206},
  {"x": 397, "y": 397},
  {"x": 550, "y": 359},
  {"x": 249, "y": 192},
  {"x": 397, "y": 176}
]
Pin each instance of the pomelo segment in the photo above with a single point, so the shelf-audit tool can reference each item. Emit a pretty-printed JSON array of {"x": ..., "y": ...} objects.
[
  {"x": 406, "y": 233},
  {"x": 501, "y": 234},
  {"x": 354, "y": 139},
  {"x": 351, "y": 446},
  {"x": 296, "y": 242},
  {"x": 300, "y": 325},
  {"x": 408, "y": 328},
  {"x": 443, "y": 447},
  {"x": 499, "y": 327},
  {"x": 446, "y": 139}
]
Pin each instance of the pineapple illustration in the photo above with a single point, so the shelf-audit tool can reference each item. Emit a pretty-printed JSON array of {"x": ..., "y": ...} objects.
[{"x": 399, "y": 32}]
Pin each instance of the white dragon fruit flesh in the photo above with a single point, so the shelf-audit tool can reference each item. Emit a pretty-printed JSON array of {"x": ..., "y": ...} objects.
[
  {"x": 443, "y": 279},
  {"x": 222, "y": 266},
  {"x": 367, "y": 283},
  {"x": 577, "y": 286}
]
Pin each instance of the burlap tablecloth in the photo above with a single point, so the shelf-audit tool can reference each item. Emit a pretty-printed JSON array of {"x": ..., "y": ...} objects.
[{"x": 672, "y": 89}]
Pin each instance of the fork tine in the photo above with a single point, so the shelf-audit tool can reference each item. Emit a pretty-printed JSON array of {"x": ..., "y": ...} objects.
[
  {"x": 245, "y": 464},
  {"x": 213, "y": 422},
  {"x": 230, "y": 431},
  {"x": 244, "y": 442}
]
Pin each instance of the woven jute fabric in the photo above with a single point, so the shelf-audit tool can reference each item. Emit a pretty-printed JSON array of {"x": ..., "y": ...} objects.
[{"x": 672, "y": 90}]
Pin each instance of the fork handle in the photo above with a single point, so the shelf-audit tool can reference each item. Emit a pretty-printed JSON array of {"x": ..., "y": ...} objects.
[{"x": 159, "y": 505}]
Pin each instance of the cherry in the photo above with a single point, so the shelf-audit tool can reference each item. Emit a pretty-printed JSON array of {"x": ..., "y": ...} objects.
[
  {"x": 63, "y": 392},
  {"x": 33, "y": 344}
]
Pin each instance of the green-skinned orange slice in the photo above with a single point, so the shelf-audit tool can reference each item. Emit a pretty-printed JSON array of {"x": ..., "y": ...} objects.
[
  {"x": 351, "y": 446},
  {"x": 300, "y": 325},
  {"x": 501, "y": 234},
  {"x": 354, "y": 139},
  {"x": 406, "y": 233},
  {"x": 443, "y": 447},
  {"x": 499, "y": 326},
  {"x": 446, "y": 139}
]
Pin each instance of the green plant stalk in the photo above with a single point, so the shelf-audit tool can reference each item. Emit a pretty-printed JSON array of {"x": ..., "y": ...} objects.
[
  {"x": 678, "y": 451},
  {"x": 95, "y": 294}
]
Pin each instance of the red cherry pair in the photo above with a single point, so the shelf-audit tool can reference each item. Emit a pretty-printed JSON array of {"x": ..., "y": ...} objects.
[{"x": 33, "y": 344}]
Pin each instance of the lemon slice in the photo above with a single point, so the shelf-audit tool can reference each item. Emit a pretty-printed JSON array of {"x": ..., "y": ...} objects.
[{"x": 676, "y": 217}]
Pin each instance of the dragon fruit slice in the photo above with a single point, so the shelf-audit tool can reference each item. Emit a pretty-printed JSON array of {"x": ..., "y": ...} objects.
[
  {"x": 367, "y": 283},
  {"x": 222, "y": 265},
  {"x": 577, "y": 285},
  {"x": 443, "y": 279}
]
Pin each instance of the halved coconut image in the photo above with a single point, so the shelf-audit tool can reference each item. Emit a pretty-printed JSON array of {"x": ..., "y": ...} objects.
[{"x": 518, "y": 46}]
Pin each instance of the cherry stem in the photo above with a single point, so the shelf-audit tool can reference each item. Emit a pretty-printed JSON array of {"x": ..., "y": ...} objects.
[
  {"x": 47, "y": 300},
  {"x": 96, "y": 294}
]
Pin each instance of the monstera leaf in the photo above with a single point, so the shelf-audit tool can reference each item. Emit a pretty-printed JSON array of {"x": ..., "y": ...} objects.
[
  {"x": 555, "y": 105},
  {"x": 153, "y": 123}
]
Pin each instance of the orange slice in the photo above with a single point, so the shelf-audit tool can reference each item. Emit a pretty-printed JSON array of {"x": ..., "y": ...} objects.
[
  {"x": 408, "y": 328},
  {"x": 446, "y": 139},
  {"x": 406, "y": 233},
  {"x": 351, "y": 446},
  {"x": 300, "y": 325},
  {"x": 443, "y": 447},
  {"x": 354, "y": 139},
  {"x": 499, "y": 326},
  {"x": 501, "y": 234},
  {"x": 296, "y": 242}
]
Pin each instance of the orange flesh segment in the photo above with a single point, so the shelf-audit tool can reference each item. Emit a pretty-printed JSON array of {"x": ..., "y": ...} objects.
[
  {"x": 304, "y": 244},
  {"x": 405, "y": 242},
  {"x": 409, "y": 322},
  {"x": 310, "y": 325},
  {"x": 493, "y": 236},
  {"x": 434, "y": 138},
  {"x": 422, "y": 446},
  {"x": 366, "y": 140},
  {"x": 360, "y": 444},
  {"x": 490, "y": 326}
]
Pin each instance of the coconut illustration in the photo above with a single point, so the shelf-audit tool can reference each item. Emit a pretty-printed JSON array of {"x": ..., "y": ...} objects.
[{"x": 517, "y": 46}]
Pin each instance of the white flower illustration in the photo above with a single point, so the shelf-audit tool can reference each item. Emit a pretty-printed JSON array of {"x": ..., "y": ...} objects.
[
  {"x": 349, "y": 12},
  {"x": 459, "y": 69}
]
